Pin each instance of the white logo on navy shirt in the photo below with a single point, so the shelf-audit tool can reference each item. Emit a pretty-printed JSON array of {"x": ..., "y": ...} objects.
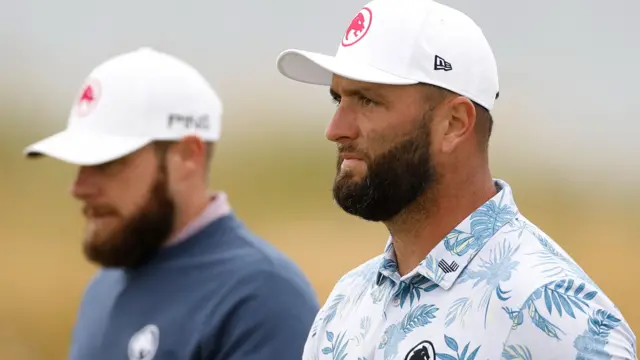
[{"x": 144, "y": 343}]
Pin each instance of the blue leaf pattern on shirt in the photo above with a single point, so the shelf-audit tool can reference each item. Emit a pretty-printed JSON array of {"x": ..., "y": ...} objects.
[
  {"x": 458, "y": 310},
  {"x": 338, "y": 346},
  {"x": 516, "y": 352},
  {"x": 432, "y": 270},
  {"x": 491, "y": 274},
  {"x": 328, "y": 313},
  {"x": 383, "y": 292},
  {"x": 591, "y": 344},
  {"x": 459, "y": 355},
  {"x": 559, "y": 298},
  {"x": 485, "y": 222},
  {"x": 555, "y": 263},
  {"x": 413, "y": 289},
  {"x": 419, "y": 316}
]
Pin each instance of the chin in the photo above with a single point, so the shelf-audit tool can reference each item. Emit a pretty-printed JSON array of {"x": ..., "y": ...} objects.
[
  {"x": 100, "y": 230},
  {"x": 350, "y": 176},
  {"x": 98, "y": 234},
  {"x": 95, "y": 238}
]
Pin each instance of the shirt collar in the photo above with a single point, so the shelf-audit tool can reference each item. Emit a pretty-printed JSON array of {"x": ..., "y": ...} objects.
[
  {"x": 217, "y": 208},
  {"x": 444, "y": 264}
]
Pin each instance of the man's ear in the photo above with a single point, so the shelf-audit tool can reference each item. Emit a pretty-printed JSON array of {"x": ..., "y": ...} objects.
[
  {"x": 188, "y": 155},
  {"x": 460, "y": 122}
]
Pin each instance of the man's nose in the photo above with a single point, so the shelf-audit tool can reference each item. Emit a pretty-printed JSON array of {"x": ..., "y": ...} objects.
[
  {"x": 85, "y": 184},
  {"x": 343, "y": 127}
]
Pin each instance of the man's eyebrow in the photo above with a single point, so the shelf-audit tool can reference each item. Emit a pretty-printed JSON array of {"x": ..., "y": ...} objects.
[{"x": 360, "y": 91}]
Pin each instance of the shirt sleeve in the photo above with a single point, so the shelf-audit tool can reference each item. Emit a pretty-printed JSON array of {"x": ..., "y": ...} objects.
[
  {"x": 569, "y": 319},
  {"x": 270, "y": 321}
]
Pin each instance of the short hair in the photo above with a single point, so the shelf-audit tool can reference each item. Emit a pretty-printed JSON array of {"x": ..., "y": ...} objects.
[{"x": 484, "y": 125}]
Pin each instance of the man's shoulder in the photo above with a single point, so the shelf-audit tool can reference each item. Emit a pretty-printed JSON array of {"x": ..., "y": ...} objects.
[
  {"x": 549, "y": 296},
  {"x": 527, "y": 261},
  {"x": 248, "y": 254},
  {"x": 537, "y": 257}
]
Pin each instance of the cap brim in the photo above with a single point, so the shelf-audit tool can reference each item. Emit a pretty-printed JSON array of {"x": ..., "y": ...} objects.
[
  {"x": 314, "y": 68},
  {"x": 85, "y": 148}
]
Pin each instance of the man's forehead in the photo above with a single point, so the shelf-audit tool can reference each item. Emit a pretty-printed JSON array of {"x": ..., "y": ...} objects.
[
  {"x": 342, "y": 84},
  {"x": 345, "y": 87}
]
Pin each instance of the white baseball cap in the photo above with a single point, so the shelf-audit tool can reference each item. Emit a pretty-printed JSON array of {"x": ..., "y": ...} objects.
[
  {"x": 129, "y": 101},
  {"x": 403, "y": 42}
]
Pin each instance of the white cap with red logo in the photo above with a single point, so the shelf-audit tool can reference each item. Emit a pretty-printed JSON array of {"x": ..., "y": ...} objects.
[
  {"x": 129, "y": 101},
  {"x": 403, "y": 42}
]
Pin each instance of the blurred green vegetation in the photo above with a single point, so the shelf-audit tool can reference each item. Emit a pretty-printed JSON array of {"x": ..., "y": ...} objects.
[{"x": 279, "y": 183}]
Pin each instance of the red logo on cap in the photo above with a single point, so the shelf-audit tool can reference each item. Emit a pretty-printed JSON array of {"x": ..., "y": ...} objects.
[
  {"x": 358, "y": 28},
  {"x": 88, "y": 98}
]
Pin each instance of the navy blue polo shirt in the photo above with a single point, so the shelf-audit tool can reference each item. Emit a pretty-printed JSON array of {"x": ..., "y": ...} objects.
[{"x": 222, "y": 294}]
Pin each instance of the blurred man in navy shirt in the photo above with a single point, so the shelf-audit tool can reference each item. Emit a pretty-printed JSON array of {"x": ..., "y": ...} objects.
[{"x": 182, "y": 277}]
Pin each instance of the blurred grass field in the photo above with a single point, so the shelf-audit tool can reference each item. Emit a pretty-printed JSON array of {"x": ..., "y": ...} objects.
[{"x": 281, "y": 188}]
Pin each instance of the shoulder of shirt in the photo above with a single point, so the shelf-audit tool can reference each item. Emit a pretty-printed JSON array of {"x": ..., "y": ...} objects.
[
  {"x": 551, "y": 288},
  {"x": 260, "y": 263},
  {"x": 254, "y": 253},
  {"x": 541, "y": 264}
]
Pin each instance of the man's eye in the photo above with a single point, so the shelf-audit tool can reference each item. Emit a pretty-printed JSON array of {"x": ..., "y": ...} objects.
[{"x": 365, "y": 101}]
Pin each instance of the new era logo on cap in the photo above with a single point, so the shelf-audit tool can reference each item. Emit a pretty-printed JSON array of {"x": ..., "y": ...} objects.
[{"x": 441, "y": 64}]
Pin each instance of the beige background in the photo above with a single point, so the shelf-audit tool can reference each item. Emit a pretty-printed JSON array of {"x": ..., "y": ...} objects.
[{"x": 566, "y": 136}]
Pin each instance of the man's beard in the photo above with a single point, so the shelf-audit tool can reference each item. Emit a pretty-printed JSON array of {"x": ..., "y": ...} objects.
[
  {"x": 394, "y": 179},
  {"x": 136, "y": 241}
]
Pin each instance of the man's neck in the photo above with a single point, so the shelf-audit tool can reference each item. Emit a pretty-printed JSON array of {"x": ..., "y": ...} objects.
[
  {"x": 420, "y": 227},
  {"x": 189, "y": 211}
]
